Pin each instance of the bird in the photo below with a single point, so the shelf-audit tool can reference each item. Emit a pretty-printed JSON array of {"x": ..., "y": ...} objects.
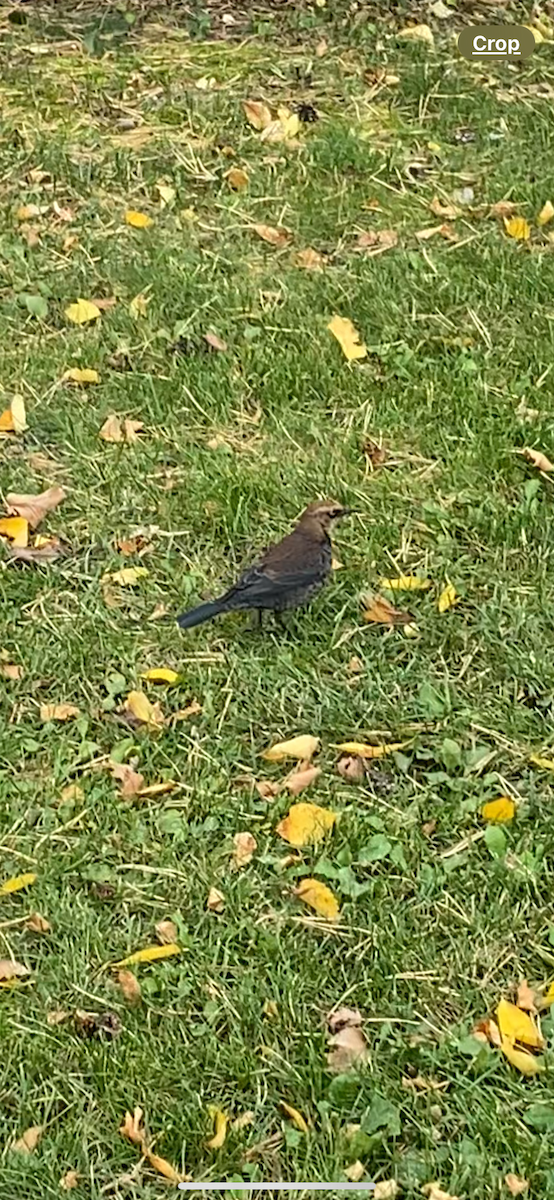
[{"x": 288, "y": 573}]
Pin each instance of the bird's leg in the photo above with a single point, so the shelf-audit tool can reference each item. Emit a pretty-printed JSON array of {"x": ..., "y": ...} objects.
[
  {"x": 257, "y": 622},
  {"x": 279, "y": 619}
]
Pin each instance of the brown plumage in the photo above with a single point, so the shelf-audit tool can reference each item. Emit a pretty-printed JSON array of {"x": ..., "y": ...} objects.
[{"x": 287, "y": 575}]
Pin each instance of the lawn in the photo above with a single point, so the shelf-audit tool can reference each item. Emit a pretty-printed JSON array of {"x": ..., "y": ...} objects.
[{"x": 441, "y": 916}]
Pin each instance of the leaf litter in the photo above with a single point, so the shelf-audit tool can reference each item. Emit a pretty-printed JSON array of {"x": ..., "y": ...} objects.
[{"x": 133, "y": 1129}]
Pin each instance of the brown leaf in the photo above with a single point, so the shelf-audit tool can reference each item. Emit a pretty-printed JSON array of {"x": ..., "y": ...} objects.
[
  {"x": 34, "y": 508},
  {"x": 166, "y": 932},
  {"x": 526, "y": 997},
  {"x": 132, "y": 781},
  {"x": 215, "y": 342},
  {"x": 276, "y": 236},
  {"x": 47, "y": 551},
  {"x": 346, "y": 1039},
  {"x": 299, "y": 780},
  {"x": 380, "y": 612},
  {"x": 355, "y": 1171},
  {"x": 449, "y": 211},
  {"x": 244, "y": 846},
  {"x": 310, "y": 260},
  {"x": 515, "y": 1185},
  {"x": 257, "y": 114},
  {"x": 503, "y": 208},
  {"x": 267, "y": 788},
  {"x": 215, "y": 901},
  {"x": 28, "y": 1140},
  {"x": 132, "y": 1128},
  {"x": 130, "y": 986},
  {"x": 420, "y": 1084},
  {"x": 375, "y": 453},
  {"x": 376, "y": 241},
  {"x": 116, "y": 429},
  {"x": 434, "y": 1192},
  {"x": 58, "y": 712},
  {"x": 537, "y": 458},
  {"x": 70, "y": 1180},
  {"x": 11, "y": 671},
  {"x": 237, "y": 179},
  {"x": 351, "y": 767},
  {"x": 37, "y": 923}
]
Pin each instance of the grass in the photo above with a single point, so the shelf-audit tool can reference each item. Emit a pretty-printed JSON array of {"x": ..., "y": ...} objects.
[{"x": 459, "y": 335}]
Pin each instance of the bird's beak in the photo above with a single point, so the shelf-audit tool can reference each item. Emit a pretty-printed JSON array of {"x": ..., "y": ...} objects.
[{"x": 345, "y": 512}]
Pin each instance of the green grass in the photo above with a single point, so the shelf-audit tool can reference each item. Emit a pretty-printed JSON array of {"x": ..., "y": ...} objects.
[{"x": 458, "y": 335}]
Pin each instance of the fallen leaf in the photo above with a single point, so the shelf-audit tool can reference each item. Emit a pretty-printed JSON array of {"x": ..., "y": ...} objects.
[
  {"x": 133, "y": 1129},
  {"x": 319, "y": 897},
  {"x": 295, "y": 1116},
  {"x": 158, "y": 789},
  {"x": 526, "y": 997},
  {"x": 375, "y": 453},
  {"x": 379, "y": 611},
  {"x": 376, "y": 241},
  {"x": 351, "y": 767},
  {"x": 16, "y": 529},
  {"x": 28, "y": 1140},
  {"x": 537, "y": 458},
  {"x": 130, "y": 987},
  {"x": 242, "y": 1122},
  {"x": 448, "y": 211},
  {"x": 215, "y": 901},
  {"x": 405, "y": 583},
  {"x": 82, "y": 311},
  {"x": 244, "y": 846},
  {"x": 548, "y": 998},
  {"x": 309, "y": 260},
  {"x": 14, "y": 419},
  {"x": 116, "y": 430},
  {"x": 321, "y": 48},
  {"x": 161, "y": 675},
  {"x": 166, "y": 193},
  {"x": 57, "y": 1016},
  {"x": 546, "y": 213},
  {"x": 132, "y": 781},
  {"x": 517, "y": 227},
  {"x": 81, "y": 375},
  {"x": 9, "y": 969},
  {"x": 434, "y": 1192},
  {"x": 163, "y": 1167},
  {"x": 303, "y": 748},
  {"x": 58, "y": 712},
  {"x": 11, "y": 671},
  {"x": 26, "y": 212},
  {"x": 355, "y": 1171},
  {"x": 148, "y": 954},
  {"x": 423, "y": 235},
  {"x": 417, "y": 33},
  {"x": 141, "y": 712},
  {"x": 257, "y": 114},
  {"x": 215, "y": 342},
  {"x": 237, "y": 179},
  {"x": 72, "y": 794},
  {"x": 502, "y": 208},
  {"x": 69, "y": 1181},
  {"x": 386, "y": 1189},
  {"x": 306, "y": 824},
  {"x": 528, "y": 1064},
  {"x": 275, "y": 235},
  {"x": 347, "y": 337},
  {"x": 221, "y": 1121},
  {"x": 447, "y": 598},
  {"x": 138, "y": 220},
  {"x": 418, "y": 1083},
  {"x": 348, "y": 1045},
  {"x": 166, "y": 932},
  {"x": 515, "y": 1185},
  {"x": 34, "y": 508},
  {"x": 126, "y": 577},
  {"x": 184, "y": 714},
  {"x": 37, "y": 923},
  {"x": 17, "y": 883},
  {"x": 517, "y": 1026},
  {"x": 138, "y": 306},
  {"x": 301, "y": 779},
  {"x": 367, "y": 750},
  {"x": 499, "y": 811},
  {"x": 488, "y": 1031},
  {"x": 46, "y": 551},
  {"x": 547, "y": 764},
  {"x": 284, "y": 129}
]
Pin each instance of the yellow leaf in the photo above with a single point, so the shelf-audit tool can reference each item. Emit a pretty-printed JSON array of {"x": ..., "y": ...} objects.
[
  {"x": 319, "y": 897},
  {"x": 69, "y": 1181},
  {"x": 139, "y": 708},
  {"x": 303, "y": 748},
  {"x": 126, "y": 576},
  {"x": 517, "y": 227},
  {"x": 499, "y": 811},
  {"x": 275, "y": 235},
  {"x": 26, "y": 212},
  {"x": 434, "y": 1192},
  {"x": 386, "y": 1189},
  {"x": 406, "y": 583},
  {"x": 138, "y": 306},
  {"x": 19, "y": 416},
  {"x": 237, "y": 179},
  {"x": 16, "y": 529},
  {"x": 305, "y": 824},
  {"x": 149, "y": 954},
  {"x": 221, "y": 1122},
  {"x": 365, "y": 750},
  {"x": 163, "y": 1167},
  {"x": 81, "y": 375},
  {"x": 347, "y": 337},
  {"x": 138, "y": 220},
  {"x": 515, "y": 1185},
  {"x": 447, "y": 598},
  {"x": 548, "y": 997},
  {"x": 538, "y": 36},
  {"x": 17, "y": 883},
  {"x": 166, "y": 193},
  {"x": 528, "y": 1064},
  {"x": 517, "y": 1026},
  {"x": 28, "y": 1140},
  {"x": 537, "y": 458},
  {"x": 161, "y": 675},
  {"x": 244, "y": 845},
  {"x": 295, "y": 1116},
  {"x": 257, "y": 114},
  {"x": 546, "y": 213},
  {"x": 417, "y": 33},
  {"x": 379, "y": 611},
  {"x": 355, "y": 1171},
  {"x": 82, "y": 311},
  {"x": 310, "y": 260},
  {"x": 58, "y": 712},
  {"x": 290, "y": 122},
  {"x": 547, "y": 764}
]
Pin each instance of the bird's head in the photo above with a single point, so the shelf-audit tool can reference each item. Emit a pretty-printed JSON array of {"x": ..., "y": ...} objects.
[{"x": 324, "y": 513}]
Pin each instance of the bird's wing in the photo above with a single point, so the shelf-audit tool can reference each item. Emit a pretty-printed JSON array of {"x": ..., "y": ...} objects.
[{"x": 261, "y": 583}]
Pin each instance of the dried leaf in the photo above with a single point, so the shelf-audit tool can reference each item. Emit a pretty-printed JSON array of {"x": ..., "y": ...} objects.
[
  {"x": 351, "y": 767},
  {"x": 132, "y": 781},
  {"x": 257, "y": 114},
  {"x": 26, "y": 212},
  {"x": 70, "y": 1180},
  {"x": 275, "y": 235},
  {"x": 547, "y": 764},
  {"x": 16, "y": 529},
  {"x": 166, "y": 932},
  {"x": 405, "y": 583},
  {"x": 215, "y": 901},
  {"x": 377, "y": 241},
  {"x": 515, "y": 1185},
  {"x": 319, "y": 897},
  {"x": 301, "y": 779},
  {"x": 221, "y": 1121},
  {"x": 309, "y": 260},
  {"x": 295, "y": 1116},
  {"x": 244, "y": 846},
  {"x": 9, "y": 969},
  {"x": 379, "y": 611},
  {"x": 130, "y": 987},
  {"x": 44, "y": 550},
  {"x": 537, "y": 458},
  {"x": 81, "y": 375},
  {"x": 526, "y": 997},
  {"x": 215, "y": 342},
  {"x": 376, "y": 454},
  {"x": 528, "y": 1064},
  {"x": 434, "y": 1192},
  {"x": 34, "y": 508},
  {"x": 17, "y": 883},
  {"x": 148, "y": 954},
  {"x": 499, "y": 811},
  {"x": 355, "y": 1171},
  {"x": 348, "y": 1046},
  {"x": 386, "y": 1189},
  {"x": 14, "y": 419},
  {"x": 72, "y": 794},
  {"x": 163, "y": 1167},
  {"x": 303, "y": 748},
  {"x": 166, "y": 193},
  {"x": 366, "y": 750},
  {"x": 138, "y": 220},
  {"x": 447, "y": 598},
  {"x": 237, "y": 179},
  {"x": 82, "y": 311},
  {"x": 423, "y": 235},
  {"x": 502, "y": 208},
  {"x": 11, "y": 671},
  {"x": 58, "y": 712},
  {"x": 548, "y": 998},
  {"x": 284, "y": 129},
  {"x": 348, "y": 338},
  {"x": 517, "y": 1026},
  {"x": 116, "y": 430},
  {"x": 28, "y": 1140},
  {"x": 518, "y": 228},
  {"x": 37, "y": 923},
  {"x": 546, "y": 213},
  {"x": 306, "y": 824},
  {"x": 184, "y": 714},
  {"x": 133, "y": 1129},
  {"x": 126, "y": 577},
  {"x": 158, "y": 789},
  {"x": 448, "y": 211},
  {"x": 242, "y": 1122},
  {"x": 138, "y": 306},
  {"x": 417, "y": 33},
  {"x": 141, "y": 712}
]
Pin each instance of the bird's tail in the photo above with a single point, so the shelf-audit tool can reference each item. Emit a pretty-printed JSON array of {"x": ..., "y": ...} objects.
[{"x": 197, "y": 616}]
